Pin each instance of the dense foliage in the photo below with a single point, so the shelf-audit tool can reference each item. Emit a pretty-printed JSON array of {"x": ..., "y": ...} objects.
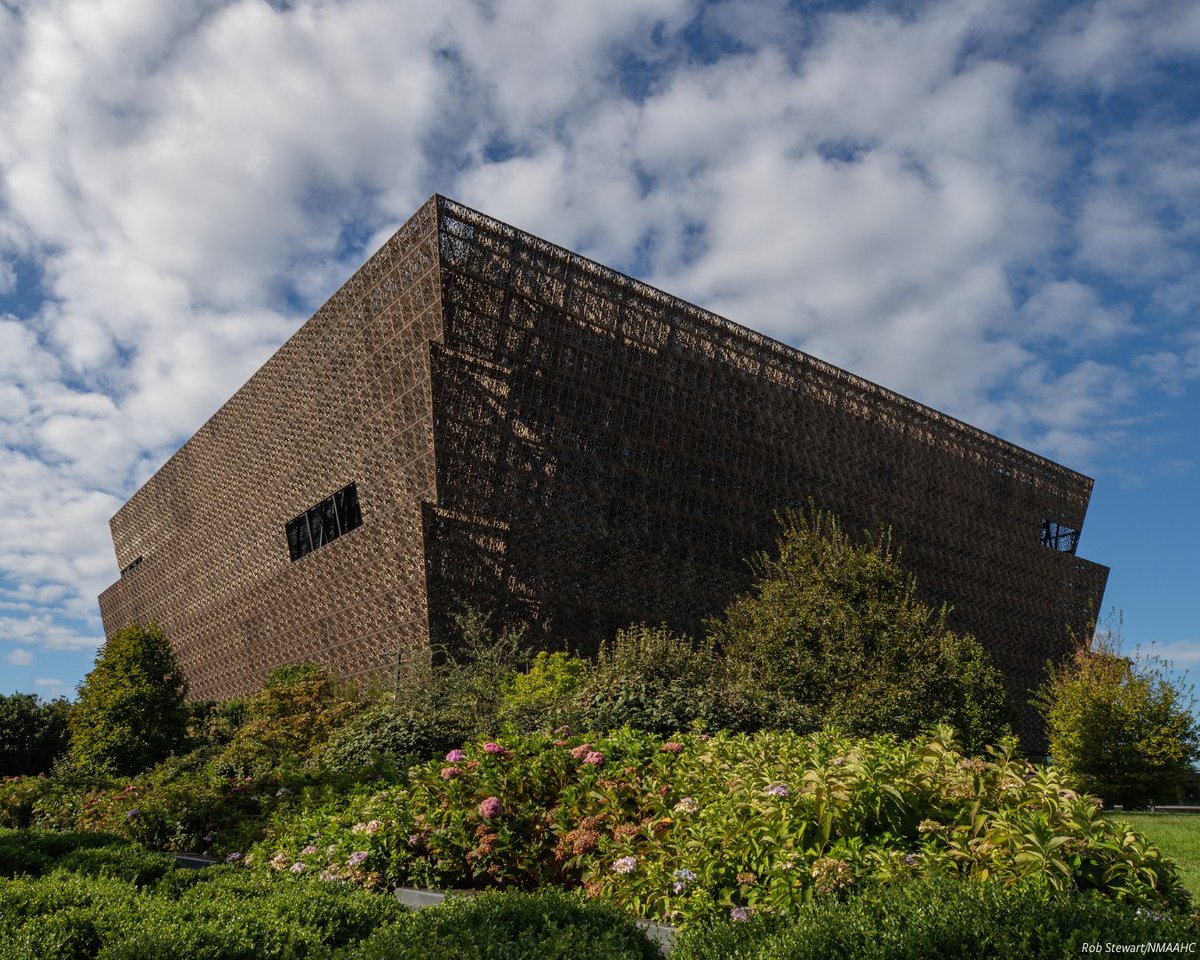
[
  {"x": 832, "y": 633},
  {"x": 652, "y": 680},
  {"x": 549, "y": 925},
  {"x": 685, "y": 828},
  {"x": 130, "y": 714},
  {"x": 1119, "y": 726},
  {"x": 920, "y": 919},
  {"x": 33, "y": 733},
  {"x": 71, "y": 896},
  {"x": 84, "y": 899},
  {"x": 291, "y": 719}
]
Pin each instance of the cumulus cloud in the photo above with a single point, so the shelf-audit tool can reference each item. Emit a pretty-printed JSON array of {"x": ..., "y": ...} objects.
[{"x": 19, "y": 657}]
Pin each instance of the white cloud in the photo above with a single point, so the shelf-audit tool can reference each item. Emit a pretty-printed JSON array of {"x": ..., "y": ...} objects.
[
  {"x": 19, "y": 657},
  {"x": 52, "y": 684}
]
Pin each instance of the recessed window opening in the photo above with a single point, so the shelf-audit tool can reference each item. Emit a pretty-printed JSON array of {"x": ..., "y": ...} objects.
[
  {"x": 129, "y": 568},
  {"x": 337, "y": 514},
  {"x": 1060, "y": 537}
]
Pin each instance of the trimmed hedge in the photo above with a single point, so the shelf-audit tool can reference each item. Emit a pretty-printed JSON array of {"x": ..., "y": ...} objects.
[
  {"x": 949, "y": 920},
  {"x": 548, "y": 925}
]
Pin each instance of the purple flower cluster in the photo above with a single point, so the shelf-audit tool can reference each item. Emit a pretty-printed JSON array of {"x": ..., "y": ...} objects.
[
  {"x": 491, "y": 807},
  {"x": 456, "y": 756},
  {"x": 625, "y": 865},
  {"x": 739, "y": 914},
  {"x": 358, "y": 858},
  {"x": 595, "y": 757},
  {"x": 777, "y": 790},
  {"x": 492, "y": 747},
  {"x": 233, "y": 857},
  {"x": 682, "y": 878}
]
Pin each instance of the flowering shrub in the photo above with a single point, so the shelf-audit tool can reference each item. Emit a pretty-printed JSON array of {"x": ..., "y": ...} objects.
[{"x": 757, "y": 824}]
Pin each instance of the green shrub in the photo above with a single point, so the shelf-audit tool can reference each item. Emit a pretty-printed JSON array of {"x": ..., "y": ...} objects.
[
  {"x": 461, "y": 686},
  {"x": 34, "y": 852},
  {"x": 385, "y": 738},
  {"x": 18, "y": 797},
  {"x": 549, "y": 925},
  {"x": 1119, "y": 726},
  {"x": 33, "y": 734},
  {"x": 652, "y": 680},
  {"x": 132, "y": 864},
  {"x": 541, "y": 698},
  {"x": 832, "y": 634},
  {"x": 219, "y": 913},
  {"x": 130, "y": 713},
  {"x": 290, "y": 720},
  {"x": 916, "y": 920}
]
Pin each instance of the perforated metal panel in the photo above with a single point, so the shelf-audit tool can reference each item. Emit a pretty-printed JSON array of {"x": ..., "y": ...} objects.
[{"x": 534, "y": 433}]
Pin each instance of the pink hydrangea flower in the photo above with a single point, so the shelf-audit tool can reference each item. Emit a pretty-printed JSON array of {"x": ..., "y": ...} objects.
[
  {"x": 595, "y": 757},
  {"x": 625, "y": 865},
  {"x": 581, "y": 751},
  {"x": 358, "y": 858},
  {"x": 739, "y": 914},
  {"x": 492, "y": 747},
  {"x": 307, "y": 850},
  {"x": 491, "y": 807},
  {"x": 456, "y": 756},
  {"x": 297, "y": 868},
  {"x": 449, "y": 773},
  {"x": 672, "y": 746}
]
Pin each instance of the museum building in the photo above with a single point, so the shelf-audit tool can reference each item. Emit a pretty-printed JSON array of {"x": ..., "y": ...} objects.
[{"x": 481, "y": 417}]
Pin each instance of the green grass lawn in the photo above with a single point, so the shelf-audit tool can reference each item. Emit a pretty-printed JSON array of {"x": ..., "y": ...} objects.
[{"x": 1177, "y": 835}]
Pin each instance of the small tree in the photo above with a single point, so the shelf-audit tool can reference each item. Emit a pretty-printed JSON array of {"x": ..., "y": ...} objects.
[
  {"x": 130, "y": 714},
  {"x": 832, "y": 633},
  {"x": 1118, "y": 725}
]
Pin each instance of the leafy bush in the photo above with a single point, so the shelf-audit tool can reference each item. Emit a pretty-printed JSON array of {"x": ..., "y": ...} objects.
[
  {"x": 218, "y": 913},
  {"x": 918, "y": 919},
  {"x": 681, "y": 829},
  {"x": 290, "y": 720},
  {"x": 34, "y": 852},
  {"x": 33, "y": 734},
  {"x": 652, "y": 680},
  {"x": 385, "y": 738},
  {"x": 18, "y": 796},
  {"x": 549, "y": 925},
  {"x": 1119, "y": 726},
  {"x": 130, "y": 713},
  {"x": 542, "y": 697},
  {"x": 832, "y": 633}
]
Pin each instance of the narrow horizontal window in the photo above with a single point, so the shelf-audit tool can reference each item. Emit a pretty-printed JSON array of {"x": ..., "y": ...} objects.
[{"x": 324, "y": 522}]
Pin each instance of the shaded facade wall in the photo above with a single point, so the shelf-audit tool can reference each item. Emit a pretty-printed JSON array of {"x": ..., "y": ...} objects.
[
  {"x": 607, "y": 453},
  {"x": 347, "y": 399}
]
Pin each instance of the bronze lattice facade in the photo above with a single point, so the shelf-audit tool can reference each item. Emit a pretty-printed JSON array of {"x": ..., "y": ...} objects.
[{"x": 536, "y": 434}]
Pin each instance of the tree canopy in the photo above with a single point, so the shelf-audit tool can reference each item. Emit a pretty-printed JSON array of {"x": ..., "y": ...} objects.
[
  {"x": 1119, "y": 726},
  {"x": 833, "y": 633},
  {"x": 130, "y": 714}
]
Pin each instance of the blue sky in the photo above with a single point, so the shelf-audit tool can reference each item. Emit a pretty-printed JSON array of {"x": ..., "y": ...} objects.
[{"x": 990, "y": 206}]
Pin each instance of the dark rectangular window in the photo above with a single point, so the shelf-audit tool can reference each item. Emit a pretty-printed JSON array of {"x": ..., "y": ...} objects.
[
  {"x": 337, "y": 514},
  {"x": 1058, "y": 536}
]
